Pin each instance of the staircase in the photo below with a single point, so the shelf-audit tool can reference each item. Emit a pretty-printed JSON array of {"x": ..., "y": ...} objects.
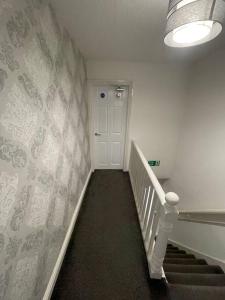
[{"x": 190, "y": 278}]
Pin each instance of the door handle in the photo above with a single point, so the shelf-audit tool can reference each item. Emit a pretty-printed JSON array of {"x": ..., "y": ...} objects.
[{"x": 97, "y": 134}]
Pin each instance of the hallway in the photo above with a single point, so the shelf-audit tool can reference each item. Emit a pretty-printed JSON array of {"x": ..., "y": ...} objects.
[{"x": 106, "y": 257}]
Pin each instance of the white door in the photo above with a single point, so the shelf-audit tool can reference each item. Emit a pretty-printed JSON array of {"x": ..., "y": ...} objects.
[{"x": 110, "y": 120}]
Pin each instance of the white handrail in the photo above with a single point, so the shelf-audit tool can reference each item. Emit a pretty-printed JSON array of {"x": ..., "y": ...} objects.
[
  {"x": 156, "y": 210},
  {"x": 211, "y": 217},
  {"x": 204, "y": 211}
]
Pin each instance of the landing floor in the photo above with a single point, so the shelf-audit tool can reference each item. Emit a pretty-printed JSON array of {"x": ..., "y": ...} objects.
[{"x": 106, "y": 257}]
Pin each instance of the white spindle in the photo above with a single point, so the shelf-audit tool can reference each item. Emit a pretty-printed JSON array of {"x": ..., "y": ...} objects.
[
  {"x": 146, "y": 221},
  {"x": 143, "y": 204},
  {"x": 155, "y": 222},
  {"x": 142, "y": 193},
  {"x": 147, "y": 203},
  {"x": 150, "y": 228},
  {"x": 167, "y": 218},
  {"x": 157, "y": 211},
  {"x": 150, "y": 215}
]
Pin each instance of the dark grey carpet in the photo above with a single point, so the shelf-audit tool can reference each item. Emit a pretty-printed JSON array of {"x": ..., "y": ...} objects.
[
  {"x": 192, "y": 279},
  {"x": 106, "y": 258}
]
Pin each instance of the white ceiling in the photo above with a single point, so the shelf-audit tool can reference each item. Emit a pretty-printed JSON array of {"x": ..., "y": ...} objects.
[{"x": 128, "y": 30}]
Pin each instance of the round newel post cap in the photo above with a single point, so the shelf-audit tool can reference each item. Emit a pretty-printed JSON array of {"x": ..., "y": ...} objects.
[{"x": 172, "y": 198}]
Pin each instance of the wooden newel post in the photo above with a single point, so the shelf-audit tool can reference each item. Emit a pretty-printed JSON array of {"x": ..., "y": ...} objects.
[{"x": 167, "y": 218}]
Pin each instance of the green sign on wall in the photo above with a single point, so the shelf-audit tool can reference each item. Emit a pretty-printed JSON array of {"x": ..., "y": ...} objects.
[{"x": 154, "y": 163}]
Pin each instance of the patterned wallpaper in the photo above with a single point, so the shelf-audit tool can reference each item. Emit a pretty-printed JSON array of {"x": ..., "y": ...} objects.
[{"x": 44, "y": 143}]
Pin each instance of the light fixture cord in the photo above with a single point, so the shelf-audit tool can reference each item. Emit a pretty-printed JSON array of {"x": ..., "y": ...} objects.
[{"x": 212, "y": 9}]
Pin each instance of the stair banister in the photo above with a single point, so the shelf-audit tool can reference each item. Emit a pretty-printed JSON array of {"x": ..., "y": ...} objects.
[{"x": 157, "y": 211}]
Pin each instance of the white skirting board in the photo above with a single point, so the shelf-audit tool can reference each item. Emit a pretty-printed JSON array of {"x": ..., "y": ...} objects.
[
  {"x": 210, "y": 259},
  {"x": 62, "y": 253}
]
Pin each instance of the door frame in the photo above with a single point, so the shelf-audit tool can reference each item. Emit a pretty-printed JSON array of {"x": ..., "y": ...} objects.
[{"x": 92, "y": 84}]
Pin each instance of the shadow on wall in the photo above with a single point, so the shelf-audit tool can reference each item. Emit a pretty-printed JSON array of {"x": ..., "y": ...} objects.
[
  {"x": 198, "y": 175},
  {"x": 44, "y": 144}
]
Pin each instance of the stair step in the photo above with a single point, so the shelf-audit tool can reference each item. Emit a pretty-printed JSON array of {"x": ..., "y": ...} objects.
[
  {"x": 196, "y": 279},
  {"x": 176, "y": 251},
  {"x": 201, "y": 269},
  {"x": 188, "y": 292},
  {"x": 185, "y": 261},
  {"x": 192, "y": 279},
  {"x": 179, "y": 255},
  {"x": 172, "y": 248}
]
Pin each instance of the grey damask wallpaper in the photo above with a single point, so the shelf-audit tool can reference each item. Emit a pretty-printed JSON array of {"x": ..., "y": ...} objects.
[{"x": 44, "y": 144}]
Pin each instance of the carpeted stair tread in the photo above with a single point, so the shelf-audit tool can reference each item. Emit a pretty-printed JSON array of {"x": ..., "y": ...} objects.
[
  {"x": 196, "y": 279},
  {"x": 172, "y": 248},
  {"x": 188, "y": 292},
  {"x": 201, "y": 269},
  {"x": 175, "y": 251},
  {"x": 179, "y": 255},
  {"x": 185, "y": 261},
  {"x": 190, "y": 278}
]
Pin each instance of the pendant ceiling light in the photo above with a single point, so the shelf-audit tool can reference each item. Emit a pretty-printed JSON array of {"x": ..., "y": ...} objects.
[{"x": 193, "y": 22}]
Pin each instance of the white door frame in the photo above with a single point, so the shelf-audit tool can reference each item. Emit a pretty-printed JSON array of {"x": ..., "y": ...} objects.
[{"x": 92, "y": 84}]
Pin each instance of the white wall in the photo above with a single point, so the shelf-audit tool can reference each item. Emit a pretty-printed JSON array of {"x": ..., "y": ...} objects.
[
  {"x": 157, "y": 105},
  {"x": 199, "y": 173}
]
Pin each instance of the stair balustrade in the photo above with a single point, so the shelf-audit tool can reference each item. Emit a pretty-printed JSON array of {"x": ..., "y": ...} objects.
[{"x": 157, "y": 211}]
